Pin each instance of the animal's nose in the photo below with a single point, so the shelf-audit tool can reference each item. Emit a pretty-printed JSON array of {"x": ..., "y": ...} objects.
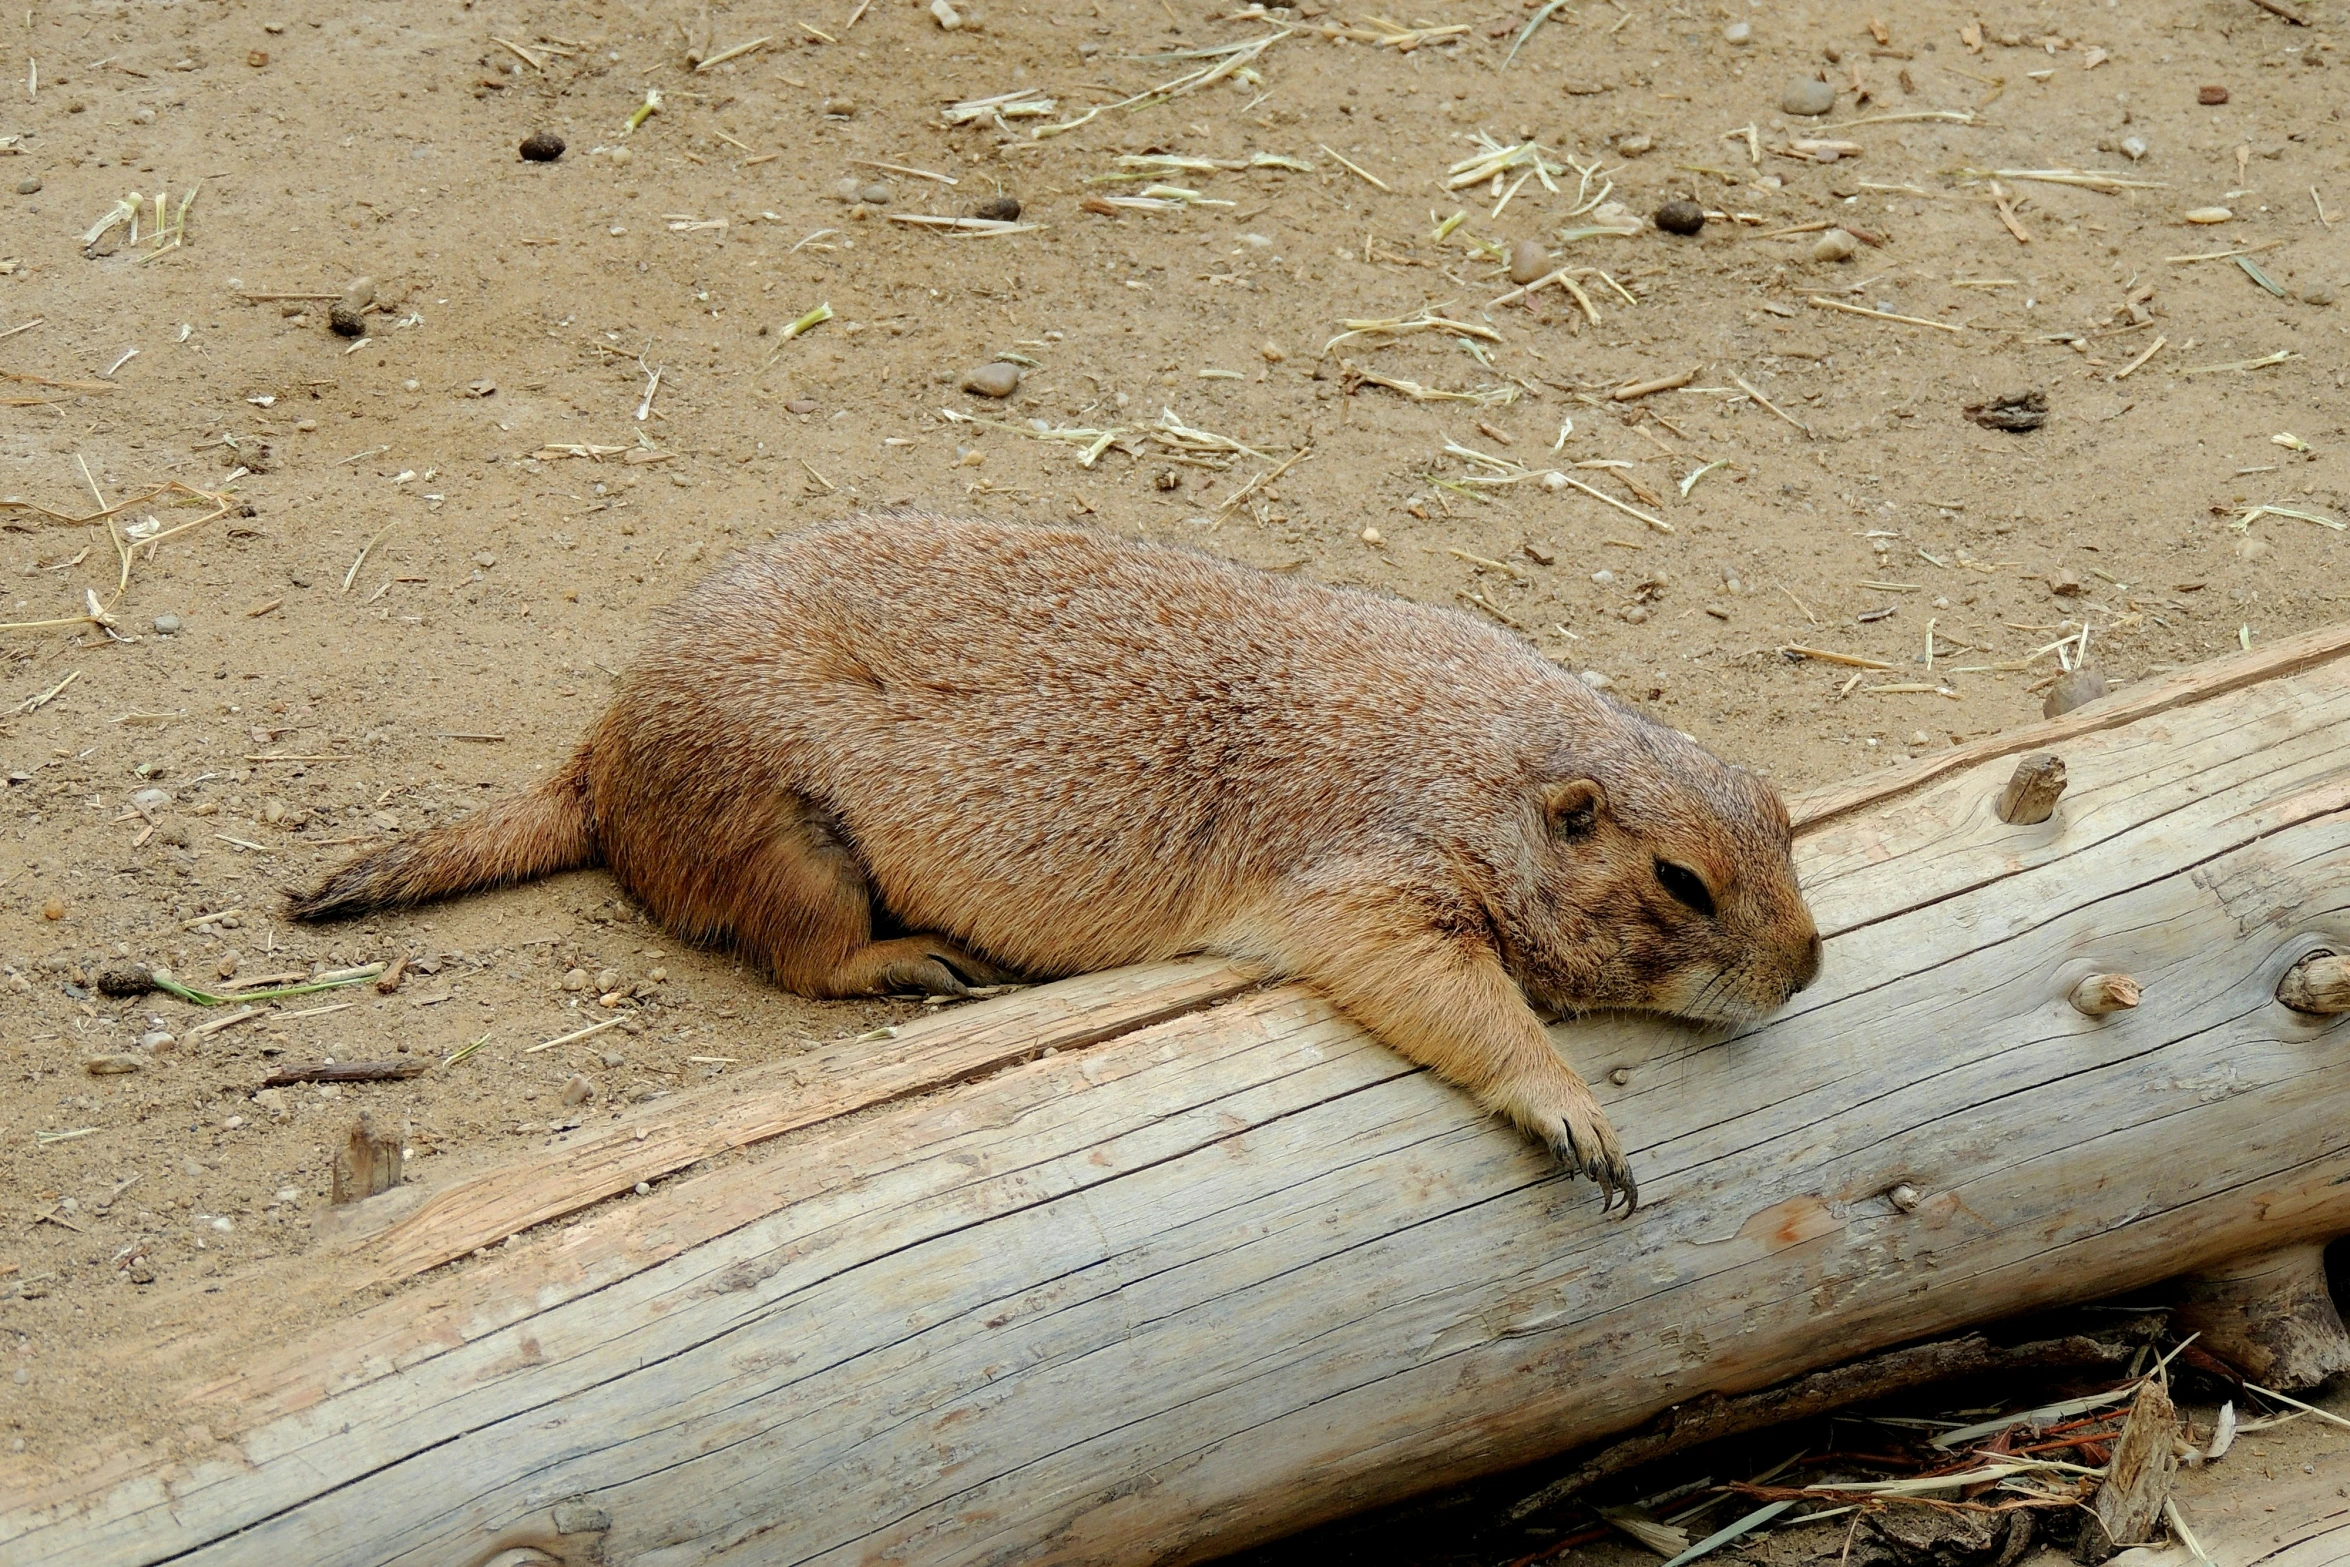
[{"x": 1809, "y": 970}]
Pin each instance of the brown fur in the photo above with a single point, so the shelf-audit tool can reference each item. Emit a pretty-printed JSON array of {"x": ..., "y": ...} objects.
[{"x": 1046, "y": 751}]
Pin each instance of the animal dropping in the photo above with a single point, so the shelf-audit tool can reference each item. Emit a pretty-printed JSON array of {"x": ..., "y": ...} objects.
[
  {"x": 1680, "y": 217},
  {"x": 1045, "y": 751}
]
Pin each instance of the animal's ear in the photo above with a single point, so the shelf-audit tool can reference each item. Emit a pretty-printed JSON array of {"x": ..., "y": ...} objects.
[{"x": 1573, "y": 808}]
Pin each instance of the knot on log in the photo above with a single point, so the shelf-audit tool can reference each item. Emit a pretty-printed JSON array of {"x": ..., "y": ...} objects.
[
  {"x": 2102, "y": 993},
  {"x": 2031, "y": 792},
  {"x": 2319, "y": 984}
]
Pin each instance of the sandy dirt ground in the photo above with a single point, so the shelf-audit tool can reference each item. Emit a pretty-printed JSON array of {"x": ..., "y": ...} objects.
[{"x": 345, "y": 587}]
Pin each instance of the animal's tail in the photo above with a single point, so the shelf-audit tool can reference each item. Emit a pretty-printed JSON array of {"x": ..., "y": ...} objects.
[{"x": 518, "y": 839}]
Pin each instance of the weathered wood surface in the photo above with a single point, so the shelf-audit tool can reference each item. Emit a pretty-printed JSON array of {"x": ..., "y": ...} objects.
[
  {"x": 2271, "y": 1317},
  {"x": 1230, "y": 1269}
]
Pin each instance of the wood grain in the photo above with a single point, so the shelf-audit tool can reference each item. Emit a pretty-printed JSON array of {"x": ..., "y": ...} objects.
[{"x": 836, "y": 1080}]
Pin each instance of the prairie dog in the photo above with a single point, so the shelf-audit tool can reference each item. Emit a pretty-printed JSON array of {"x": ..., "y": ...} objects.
[{"x": 1044, "y": 751}]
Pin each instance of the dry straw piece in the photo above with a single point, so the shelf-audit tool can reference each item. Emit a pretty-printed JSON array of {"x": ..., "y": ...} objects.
[{"x": 129, "y": 543}]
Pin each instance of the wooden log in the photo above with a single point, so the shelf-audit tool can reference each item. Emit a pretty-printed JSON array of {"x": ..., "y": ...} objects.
[
  {"x": 2270, "y": 1317},
  {"x": 1154, "y": 1265}
]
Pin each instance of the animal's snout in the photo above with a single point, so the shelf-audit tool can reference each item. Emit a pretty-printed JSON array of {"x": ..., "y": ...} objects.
[{"x": 1807, "y": 968}]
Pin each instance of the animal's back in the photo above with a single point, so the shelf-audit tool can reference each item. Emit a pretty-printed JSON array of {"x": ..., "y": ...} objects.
[{"x": 1142, "y": 732}]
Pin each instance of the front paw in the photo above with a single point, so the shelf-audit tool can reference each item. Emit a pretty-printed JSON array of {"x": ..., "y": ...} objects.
[{"x": 1568, "y": 1119}]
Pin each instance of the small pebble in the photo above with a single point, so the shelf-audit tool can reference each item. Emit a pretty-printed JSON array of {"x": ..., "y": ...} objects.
[
  {"x": 846, "y": 189},
  {"x": 2065, "y": 584},
  {"x": 113, "y": 1066},
  {"x": 2074, "y": 688},
  {"x": 167, "y": 625},
  {"x": 1680, "y": 217},
  {"x": 2211, "y": 95},
  {"x": 577, "y": 979},
  {"x": 1809, "y": 97},
  {"x": 1602, "y": 577},
  {"x": 2316, "y": 293},
  {"x": 998, "y": 209},
  {"x": 156, "y": 1039},
  {"x": 995, "y": 379},
  {"x": 359, "y": 293},
  {"x": 53, "y": 909},
  {"x": 1738, "y": 33},
  {"x": 346, "y": 319},
  {"x": 612, "y": 1060},
  {"x": 1635, "y": 145},
  {"x": 619, "y": 156},
  {"x": 608, "y": 980},
  {"x": 542, "y": 147},
  {"x": 2135, "y": 146},
  {"x": 29, "y": 185},
  {"x": 1835, "y": 245},
  {"x": 1528, "y": 261},
  {"x": 1373, "y": 537},
  {"x": 484, "y": 559},
  {"x": 874, "y": 195},
  {"x": 1595, "y": 680},
  {"x": 151, "y": 799},
  {"x": 578, "y": 1091},
  {"x": 843, "y": 107},
  {"x": 801, "y": 405},
  {"x": 2209, "y": 215},
  {"x": 2253, "y": 549}
]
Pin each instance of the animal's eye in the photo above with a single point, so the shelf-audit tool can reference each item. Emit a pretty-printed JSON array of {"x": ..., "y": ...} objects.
[{"x": 1684, "y": 885}]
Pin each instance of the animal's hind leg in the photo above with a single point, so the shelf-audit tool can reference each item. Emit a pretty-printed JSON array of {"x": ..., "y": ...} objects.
[{"x": 805, "y": 909}]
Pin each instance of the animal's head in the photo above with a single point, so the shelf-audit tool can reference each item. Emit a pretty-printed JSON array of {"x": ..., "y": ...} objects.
[{"x": 1654, "y": 875}]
